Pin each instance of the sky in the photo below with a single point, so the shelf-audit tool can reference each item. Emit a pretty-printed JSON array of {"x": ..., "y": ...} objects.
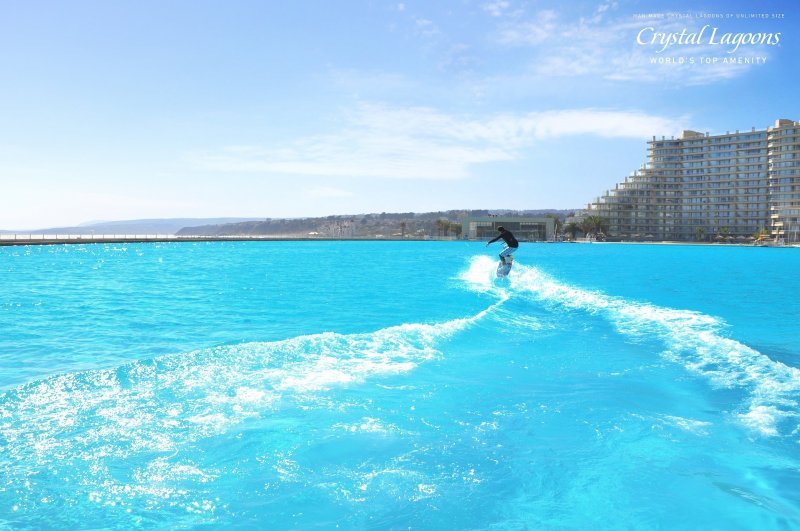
[{"x": 137, "y": 109}]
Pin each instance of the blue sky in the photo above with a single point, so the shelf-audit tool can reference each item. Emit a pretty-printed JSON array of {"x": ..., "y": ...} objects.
[{"x": 192, "y": 108}]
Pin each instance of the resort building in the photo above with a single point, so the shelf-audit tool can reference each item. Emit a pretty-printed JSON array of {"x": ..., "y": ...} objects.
[
  {"x": 525, "y": 229},
  {"x": 706, "y": 187}
]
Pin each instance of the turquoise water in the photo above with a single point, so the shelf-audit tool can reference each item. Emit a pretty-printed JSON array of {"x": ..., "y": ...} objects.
[{"x": 387, "y": 385}]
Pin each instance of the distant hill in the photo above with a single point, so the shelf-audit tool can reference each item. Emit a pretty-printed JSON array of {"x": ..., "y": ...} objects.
[
  {"x": 388, "y": 225},
  {"x": 136, "y": 226}
]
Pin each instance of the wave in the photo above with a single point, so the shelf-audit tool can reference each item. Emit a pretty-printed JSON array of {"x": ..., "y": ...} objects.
[
  {"x": 157, "y": 405},
  {"x": 692, "y": 339},
  {"x": 80, "y": 427}
]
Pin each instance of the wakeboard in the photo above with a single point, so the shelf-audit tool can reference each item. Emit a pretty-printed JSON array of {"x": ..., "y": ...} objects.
[{"x": 504, "y": 268}]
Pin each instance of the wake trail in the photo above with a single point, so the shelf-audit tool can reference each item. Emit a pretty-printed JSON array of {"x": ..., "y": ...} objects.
[
  {"x": 160, "y": 404},
  {"x": 694, "y": 340}
]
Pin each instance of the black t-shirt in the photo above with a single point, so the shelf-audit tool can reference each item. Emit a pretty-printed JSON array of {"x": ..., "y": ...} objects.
[{"x": 507, "y": 237}]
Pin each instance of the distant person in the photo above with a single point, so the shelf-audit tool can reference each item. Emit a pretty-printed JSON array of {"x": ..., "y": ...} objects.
[{"x": 511, "y": 244}]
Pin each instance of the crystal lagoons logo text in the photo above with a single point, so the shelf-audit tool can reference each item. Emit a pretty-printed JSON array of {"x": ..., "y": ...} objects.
[{"x": 707, "y": 35}]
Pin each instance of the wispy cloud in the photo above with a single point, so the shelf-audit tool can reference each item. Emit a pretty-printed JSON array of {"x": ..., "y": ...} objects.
[
  {"x": 433, "y": 35},
  {"x": 541, "y": 28},
  {"x": 380, "y": 141},
  {"x": 604, "y": 44},
  {"x": 427, "y": 28},
  {"x": 497, "y": 8},
  {"x": 603, "y": 123}
]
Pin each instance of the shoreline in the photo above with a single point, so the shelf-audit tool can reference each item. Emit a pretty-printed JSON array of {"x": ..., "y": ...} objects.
[
  {"x": 706, "y": 244},
  {"x": 46, "y": 239}
]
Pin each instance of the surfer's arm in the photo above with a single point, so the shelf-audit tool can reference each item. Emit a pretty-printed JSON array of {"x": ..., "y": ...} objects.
[{"x": 493, "y": 240}]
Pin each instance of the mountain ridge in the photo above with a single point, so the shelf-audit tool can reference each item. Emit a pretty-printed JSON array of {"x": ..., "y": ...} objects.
[{"x": 134, "y": 226}]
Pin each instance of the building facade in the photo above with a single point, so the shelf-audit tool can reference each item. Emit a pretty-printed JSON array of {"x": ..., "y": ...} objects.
[
  {"x": 525, "y": 229},
  {"x": 706, "y": 187}
]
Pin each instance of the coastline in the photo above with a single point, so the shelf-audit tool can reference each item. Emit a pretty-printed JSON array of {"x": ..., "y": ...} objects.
[
  {"x": 699, "y": 244},
  {"x": 46, "y": 239}
]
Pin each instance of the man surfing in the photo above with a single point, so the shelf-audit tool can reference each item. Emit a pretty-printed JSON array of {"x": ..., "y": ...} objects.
[{"x": 511, "y": 244}]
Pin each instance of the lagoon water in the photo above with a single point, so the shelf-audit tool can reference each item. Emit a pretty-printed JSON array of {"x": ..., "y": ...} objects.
[{"x": 388, "y": 385}]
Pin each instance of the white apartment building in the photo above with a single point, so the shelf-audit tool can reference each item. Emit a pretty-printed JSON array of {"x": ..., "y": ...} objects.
[{"x": 701, "y": 187}]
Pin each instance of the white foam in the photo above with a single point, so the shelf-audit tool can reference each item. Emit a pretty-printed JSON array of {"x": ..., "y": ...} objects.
[
  {"x": 158, "y": 405},
  {"x": 697, "y": 427},
  {"x": 368, "y": 425},
  {"x": 692, "y": 339},
  {"x": 480, "y": 273},
  {"x": 763, "y": 419},
  {"x": 481, "y": 276}
]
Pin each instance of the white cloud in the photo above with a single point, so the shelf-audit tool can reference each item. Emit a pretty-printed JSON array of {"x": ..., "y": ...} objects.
[
  {"x": 601, "y": 11},
  {"x": 427, "y": 28},
  {"x": 606, "y": 47},
  {"x": 530, "y": 32},
  {"x": 379, "y": 141},
  {"x": 497, "y": 8},
  {"x": 609, "y": 124}
]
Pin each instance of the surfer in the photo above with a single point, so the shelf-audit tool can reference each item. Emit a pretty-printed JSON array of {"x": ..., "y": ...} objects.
[{"x": 511, "y": 244}]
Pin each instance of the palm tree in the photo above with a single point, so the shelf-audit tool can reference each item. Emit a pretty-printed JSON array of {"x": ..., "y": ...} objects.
[
  {"x": 592, "y": 224},
  {"x": 441, "y": 226},
  {"x": 699, "y": 234},
  {"x": 571, "y": 228},
  {"x": 600, "y": 223},
  {"x": 587, "y": 225}
]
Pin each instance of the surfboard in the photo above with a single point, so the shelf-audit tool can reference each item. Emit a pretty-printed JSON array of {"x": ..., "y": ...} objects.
[{"x": 503, "y": 269}]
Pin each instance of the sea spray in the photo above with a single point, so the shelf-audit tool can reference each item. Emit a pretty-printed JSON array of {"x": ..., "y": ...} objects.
[{"x": 692, "y": 339}]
